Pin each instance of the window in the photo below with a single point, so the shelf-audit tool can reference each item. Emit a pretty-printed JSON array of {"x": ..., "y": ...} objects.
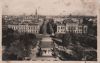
[
  {"x": 61, "y": 27},
  {"x": 68, "y": 28},
  {"x": 74, "y": 28},
  {"x": 58, "y": 27},
  {"x": 80, "y": 27},
  {"x": 85, "y": 29},
  {"x": 34, "y": 27},
  {"x": 36, "y": 31}
]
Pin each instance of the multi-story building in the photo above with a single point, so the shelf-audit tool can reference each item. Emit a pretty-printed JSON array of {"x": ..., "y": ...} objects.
[
  {"x": 76, "y": 28},
  {"x": 72, "y": 27},
  {"x": 23, "y": 23},
  {"x": 30, "y": 28},
  {"x": 61, "y": 28}
]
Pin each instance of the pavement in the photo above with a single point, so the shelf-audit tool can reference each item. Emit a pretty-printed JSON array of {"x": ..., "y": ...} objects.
[{"x": 42, "y": 58}]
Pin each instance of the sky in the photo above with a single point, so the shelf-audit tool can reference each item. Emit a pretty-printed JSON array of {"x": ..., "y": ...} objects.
[{"x": 49, "y": 7}]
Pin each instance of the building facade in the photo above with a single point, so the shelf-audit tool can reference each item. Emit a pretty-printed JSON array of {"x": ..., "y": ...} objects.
[
  {"x": 35, "y": 28},
  {"x": 72, "y": 27},
  {"x": 61, "y": 28}
]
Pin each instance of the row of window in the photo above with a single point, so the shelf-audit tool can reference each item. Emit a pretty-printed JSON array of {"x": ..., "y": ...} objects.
[
  {"x": 18, "y": 27},
  {"x": 71, "y": 28},
  {"x": 61, "y": 27},
  {"x": 74, "y": 31},
  {"x": 61, "y": 31},
  {"x": 29, "y": 31},
  {"x": 25, "y": 29},
  {"x": 22, "y": 26}
]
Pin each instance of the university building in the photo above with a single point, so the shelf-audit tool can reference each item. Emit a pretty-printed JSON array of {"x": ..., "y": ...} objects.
[
  {"x": 23, "y": 23},
  {"x": 34, "y": 28},
  {"x": 72, "y": 27}
]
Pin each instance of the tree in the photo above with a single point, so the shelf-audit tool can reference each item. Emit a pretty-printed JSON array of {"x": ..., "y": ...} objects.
[
  {"x": 43, "y": 27},
  {"x": 85, "y": 20},
  {"x": 49, "y": 28},
  {"x": 66, "y": 39},
  {"x": 8, "y": 37},
  {"x": 28, "y": 40}
]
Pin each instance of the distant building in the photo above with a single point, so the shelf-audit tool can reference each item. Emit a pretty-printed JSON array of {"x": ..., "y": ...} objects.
[
  {"x": 76, "y": 28},
  {"x": 75, "y": 24},
  {"x": 72, "y": 27},
  {"x": 34, "y": 28},
  {"x": 23, "y": 23},
  {"x": 61, "y": 28}
]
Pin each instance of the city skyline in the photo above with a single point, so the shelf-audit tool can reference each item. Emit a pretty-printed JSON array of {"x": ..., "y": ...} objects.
[{"x": 47, "y": 7}]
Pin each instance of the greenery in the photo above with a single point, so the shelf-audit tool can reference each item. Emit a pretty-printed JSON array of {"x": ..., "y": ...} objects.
[
  {"x": 92, "y": 29},
  {"x": 51, "y": 26},
  {"x": 77, "y": 43},
  {"x": 18, "y": 42}
]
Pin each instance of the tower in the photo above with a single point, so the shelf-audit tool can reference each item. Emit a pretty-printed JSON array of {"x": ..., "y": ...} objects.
[
  {"x": 36, "y": 13},
  {"x": 36, "y": 16}
]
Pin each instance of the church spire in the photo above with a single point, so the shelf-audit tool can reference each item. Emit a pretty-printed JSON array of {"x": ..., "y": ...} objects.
[
  {"x": 36, "y": 15},
  {"x": 36, "y": 12}
]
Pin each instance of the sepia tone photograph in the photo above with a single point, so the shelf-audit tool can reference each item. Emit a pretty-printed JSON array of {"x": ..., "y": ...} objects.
[{"x": 49, "y": 30}]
